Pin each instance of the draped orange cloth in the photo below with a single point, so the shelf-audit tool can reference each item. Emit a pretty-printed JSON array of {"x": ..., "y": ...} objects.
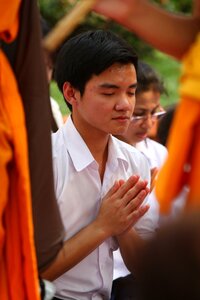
[
  {"x": 182, "y": 166},
  {"x": 18, "y": 268}
]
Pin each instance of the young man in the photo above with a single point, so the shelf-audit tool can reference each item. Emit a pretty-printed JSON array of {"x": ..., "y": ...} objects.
[{"x": 100, "y": 182}]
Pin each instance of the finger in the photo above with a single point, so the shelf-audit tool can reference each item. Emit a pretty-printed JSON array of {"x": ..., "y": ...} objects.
[
  {"x": 134, "y": 191},
  {"x": 137, "y": 214},
  {"x": 135, "y": 203},
  {"x": 121, "y": 182},
  {"x": 126, "y": 186},
  {"x": 113, "y": 189},
  {"x": 141, "y": 211},
  {"x": 117, "y": 184}
]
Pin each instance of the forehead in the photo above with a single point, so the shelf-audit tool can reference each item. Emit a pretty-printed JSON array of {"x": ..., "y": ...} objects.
[
  {"x": 119, "y": 68},
  {"x": 148, "y": 99},
  {"x": 117, "y": 72}
]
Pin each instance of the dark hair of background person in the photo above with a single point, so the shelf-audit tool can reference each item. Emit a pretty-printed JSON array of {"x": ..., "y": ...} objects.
[
  {"x": 90, "y": 53},
  {"x": 169, "y": 265},
  {"x": 164, "y": 125},
  {"x": 148, "y": 79}
]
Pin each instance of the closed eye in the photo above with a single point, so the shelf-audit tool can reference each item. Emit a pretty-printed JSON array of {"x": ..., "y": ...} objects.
[
  {"x": 131, "y": 93},
  {"x": 108, "y": 94}
]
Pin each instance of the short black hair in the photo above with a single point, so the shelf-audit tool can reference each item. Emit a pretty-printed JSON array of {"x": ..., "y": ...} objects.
[
  {"x": 90, "y": 53},
  {"x": 148, "y": 79}
]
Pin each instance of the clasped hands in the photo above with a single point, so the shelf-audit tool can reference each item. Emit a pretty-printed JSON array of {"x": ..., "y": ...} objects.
[{"x": 122, "y": 206}]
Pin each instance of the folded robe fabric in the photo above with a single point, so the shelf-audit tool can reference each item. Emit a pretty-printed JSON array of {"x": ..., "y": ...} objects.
[
  {"x": 182, "y": 167},
  {"x": 18, "y": 266}
]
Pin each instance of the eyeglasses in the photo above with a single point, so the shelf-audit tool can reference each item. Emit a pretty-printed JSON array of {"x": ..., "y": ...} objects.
[{"x": 145, "y": 116}]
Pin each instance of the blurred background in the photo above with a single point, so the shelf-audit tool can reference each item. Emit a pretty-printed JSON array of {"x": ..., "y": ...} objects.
[{"x": 167, "y": 67}]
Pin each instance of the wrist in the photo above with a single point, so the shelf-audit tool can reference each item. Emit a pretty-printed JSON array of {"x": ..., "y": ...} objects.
[{"x": 100, "y": 230}]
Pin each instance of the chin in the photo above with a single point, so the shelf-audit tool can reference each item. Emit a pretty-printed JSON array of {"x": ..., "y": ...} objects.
[{"x": 121, "y": 131}]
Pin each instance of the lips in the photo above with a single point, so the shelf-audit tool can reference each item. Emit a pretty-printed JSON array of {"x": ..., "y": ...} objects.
[
  {"x": 141, "y": 135},
  {"x": 122, "y": 118}
]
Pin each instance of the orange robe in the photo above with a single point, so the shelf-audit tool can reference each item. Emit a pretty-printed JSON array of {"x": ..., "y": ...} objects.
[
  {"x": 183, "y": 164},
  {"x": 18, "y": 268}
]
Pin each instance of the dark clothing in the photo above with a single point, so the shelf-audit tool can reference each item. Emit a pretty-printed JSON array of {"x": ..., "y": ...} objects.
[{"x": 124, "y": 288}]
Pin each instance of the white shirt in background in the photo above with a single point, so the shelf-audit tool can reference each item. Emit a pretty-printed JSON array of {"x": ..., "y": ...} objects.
[
  {"x": 155, "y": 152},
  {"x": 56, "y": 112}
]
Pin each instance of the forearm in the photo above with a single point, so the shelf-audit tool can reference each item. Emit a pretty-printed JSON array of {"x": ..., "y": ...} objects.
[
  {"x": 130, "y": 244},
  {"x": 120, "y": 209},
  {"x": 196, "y": 8},
  {"x": 74, "y": 250},
  {"x": 168, "y": 32}
]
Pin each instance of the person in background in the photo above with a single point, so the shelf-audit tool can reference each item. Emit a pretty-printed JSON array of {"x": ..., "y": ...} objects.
[
  {"x": 147, "y": 109},
  {"x": 100, "y": 181}
]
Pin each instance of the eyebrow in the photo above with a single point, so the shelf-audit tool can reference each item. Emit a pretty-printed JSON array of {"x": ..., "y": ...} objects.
[{"x": 113, "y": 86}]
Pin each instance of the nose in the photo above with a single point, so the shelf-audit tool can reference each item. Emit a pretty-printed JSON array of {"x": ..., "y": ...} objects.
[{"x": 125, "y": 103}]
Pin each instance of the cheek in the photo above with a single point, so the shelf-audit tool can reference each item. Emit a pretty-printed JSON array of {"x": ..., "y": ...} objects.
[
  {"x": 97, "y": 112},
  {"x": 104, "y": 107},
  {"x": 154, "y": 122}
]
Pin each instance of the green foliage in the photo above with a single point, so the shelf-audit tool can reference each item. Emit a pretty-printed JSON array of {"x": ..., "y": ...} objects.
[
  {"x": 170, "y": 70},
  {"x": 57, "y": 95},
  {"x": 184, "y": 6},
  {"x": 53, "y": 10}
]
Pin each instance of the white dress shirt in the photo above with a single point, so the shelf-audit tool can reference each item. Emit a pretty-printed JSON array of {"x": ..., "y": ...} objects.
[
  {"x": 79, "y": 191},
  {"x": 155, "y": 152}
]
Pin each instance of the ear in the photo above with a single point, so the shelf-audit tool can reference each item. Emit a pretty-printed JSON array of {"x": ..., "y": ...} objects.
[{"x": 70, "y": 93}]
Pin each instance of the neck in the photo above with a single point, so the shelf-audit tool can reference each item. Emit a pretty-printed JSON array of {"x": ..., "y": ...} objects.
[
  {"x": 97, "y": 142},
  {"x": 99, "y": 149}
]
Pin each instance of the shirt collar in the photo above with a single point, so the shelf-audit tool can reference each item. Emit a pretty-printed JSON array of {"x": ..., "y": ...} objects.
[
  {"x": 115, "y": 153},
  {"x": 76, "y": 147},
  {"x": 81, "y": 155}
]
